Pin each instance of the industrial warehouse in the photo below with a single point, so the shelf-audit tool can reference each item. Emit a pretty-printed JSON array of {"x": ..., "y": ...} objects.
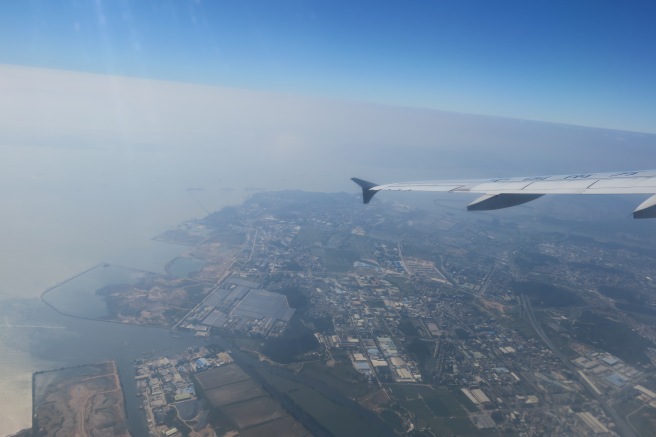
[{"x": 240, "y": 305}]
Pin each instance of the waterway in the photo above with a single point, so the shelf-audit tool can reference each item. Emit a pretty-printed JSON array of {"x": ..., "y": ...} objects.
[
  {"x": 79, "y": 295},
  {"x": 58, "y": 340},
  {"x": 63, "y": 341},
  {"x": 95, "y": 340}
]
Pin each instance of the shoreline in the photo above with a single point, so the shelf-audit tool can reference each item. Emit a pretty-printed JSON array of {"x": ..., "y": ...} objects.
[
  {"x": 59, "y": 284},
  {"x": 116, "y": 374}
]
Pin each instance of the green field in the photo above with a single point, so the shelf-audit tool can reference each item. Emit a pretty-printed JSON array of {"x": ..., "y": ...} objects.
[
  {"x": 439, "y": 410},
  {"x": 644, "y": 421},
  {"x": 547, "y": 295},
  {"x": 393, "y": 420},
  {"x": 341, "y": 376},
  {"x": 611, "y": 336},
  {"x": 337, "y": 419},
  {"x": 338, "y": 260}
]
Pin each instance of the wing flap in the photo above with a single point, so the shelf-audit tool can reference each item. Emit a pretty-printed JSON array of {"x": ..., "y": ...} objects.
[
  {"x": 499, "y": 201},
  {"x": 646, "y": 209}
]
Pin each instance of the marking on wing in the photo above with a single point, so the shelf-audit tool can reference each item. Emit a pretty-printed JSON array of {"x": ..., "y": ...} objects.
[{"x": 628, "y": 182}]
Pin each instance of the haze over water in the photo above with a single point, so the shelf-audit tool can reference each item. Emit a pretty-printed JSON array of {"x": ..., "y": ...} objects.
[{"x": 94, "y": 166}]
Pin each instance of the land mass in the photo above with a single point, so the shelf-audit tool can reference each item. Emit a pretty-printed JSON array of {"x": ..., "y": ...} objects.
[
  {"x": 396, "y": 319},
  {"x": 82, "y": 401}
]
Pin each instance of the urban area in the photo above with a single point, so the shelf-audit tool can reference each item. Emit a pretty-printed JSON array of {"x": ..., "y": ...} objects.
[{"x": 325, "y": 317}]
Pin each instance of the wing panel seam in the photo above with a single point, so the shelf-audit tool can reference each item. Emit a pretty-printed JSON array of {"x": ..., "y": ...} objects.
[{"x": 527, "y": 185}]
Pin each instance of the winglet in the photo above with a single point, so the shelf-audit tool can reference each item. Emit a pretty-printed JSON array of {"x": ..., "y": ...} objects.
[{"x": 367, "y": 192}]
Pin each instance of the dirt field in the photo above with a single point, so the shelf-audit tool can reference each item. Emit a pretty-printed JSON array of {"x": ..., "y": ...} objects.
[
  {"x": 245, "y": 402},
  {"x": 233, "y": 393},
  {"x": 254, "y": 412},
  {"x": 155, "y": 300},
  {"x": 376, "y": 401},
  {"x": 79, "y": 402},
  {"x": 493, "y": 305},
  {"x": 285, "y": 426},
  {"x": 220, "y": 376}
]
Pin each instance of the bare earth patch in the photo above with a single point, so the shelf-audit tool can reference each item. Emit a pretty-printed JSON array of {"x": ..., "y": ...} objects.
[{"x": 80, "y": 401}]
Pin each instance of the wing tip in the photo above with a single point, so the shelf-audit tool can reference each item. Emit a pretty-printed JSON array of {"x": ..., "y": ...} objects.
[{"x": 367, "y": 192}]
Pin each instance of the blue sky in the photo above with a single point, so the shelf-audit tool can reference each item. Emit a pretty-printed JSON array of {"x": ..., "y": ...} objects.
[{"x": 581, "y": 62}]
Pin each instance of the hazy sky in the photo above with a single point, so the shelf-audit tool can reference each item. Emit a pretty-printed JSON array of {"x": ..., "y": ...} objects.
[{"x": 580, "y": 62}]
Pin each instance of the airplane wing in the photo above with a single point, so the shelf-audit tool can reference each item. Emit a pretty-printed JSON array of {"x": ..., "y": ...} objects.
[{"x": 505, "y": 192}]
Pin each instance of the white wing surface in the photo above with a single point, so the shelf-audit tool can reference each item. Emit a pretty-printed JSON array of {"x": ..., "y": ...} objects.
[{"x": 505, "y": 192}]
